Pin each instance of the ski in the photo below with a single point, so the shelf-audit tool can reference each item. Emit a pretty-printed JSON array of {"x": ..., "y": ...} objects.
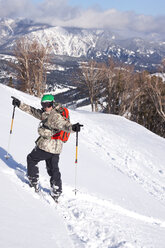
[{"x": 56, "y": 200}]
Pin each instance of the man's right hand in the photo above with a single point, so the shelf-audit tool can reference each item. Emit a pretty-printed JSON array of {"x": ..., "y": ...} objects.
[
  {"x": 76, "y": 127},
  {"x": 16, "y": 102}
]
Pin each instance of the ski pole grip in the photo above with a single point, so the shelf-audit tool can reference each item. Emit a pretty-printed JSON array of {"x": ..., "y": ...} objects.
[
  {"x": 80, "y": 125},
  {"x": 16, "y": 102}
]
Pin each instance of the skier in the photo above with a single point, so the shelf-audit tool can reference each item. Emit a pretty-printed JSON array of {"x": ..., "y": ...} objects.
[{"x": 46, "y": 148}]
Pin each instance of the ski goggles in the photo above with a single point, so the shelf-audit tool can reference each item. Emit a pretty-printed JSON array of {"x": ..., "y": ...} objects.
[{"x": 47, "y": 104}]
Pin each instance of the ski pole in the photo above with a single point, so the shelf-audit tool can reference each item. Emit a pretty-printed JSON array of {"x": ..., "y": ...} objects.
[
  {"x": 76, "y": 161},
  {"x": 76, "y": 147},
  {"x": 11, "y": 129}
]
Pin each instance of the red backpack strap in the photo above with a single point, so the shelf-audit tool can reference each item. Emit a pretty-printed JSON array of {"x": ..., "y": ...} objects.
[{"x": 64, "y": 112}]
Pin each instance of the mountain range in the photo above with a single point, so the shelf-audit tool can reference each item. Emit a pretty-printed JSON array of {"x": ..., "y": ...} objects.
[{"x": 79, "y": 43}]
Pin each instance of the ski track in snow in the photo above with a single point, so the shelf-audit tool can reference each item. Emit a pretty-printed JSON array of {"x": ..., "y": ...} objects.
[
  {"x": 89, "y": 219},
  {"x": 125, "y": 161}
]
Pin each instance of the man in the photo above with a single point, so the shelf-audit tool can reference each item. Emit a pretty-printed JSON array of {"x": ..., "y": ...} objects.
[{"x": 47, "y": 148}]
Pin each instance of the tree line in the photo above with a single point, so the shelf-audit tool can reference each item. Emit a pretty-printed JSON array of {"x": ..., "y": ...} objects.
[
  {"x": 112, "y": 87},
  {"x": 116, "y": 88}
]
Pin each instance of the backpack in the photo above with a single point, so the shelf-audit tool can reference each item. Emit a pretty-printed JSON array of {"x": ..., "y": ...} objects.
[{"x": 62, "y": 135}]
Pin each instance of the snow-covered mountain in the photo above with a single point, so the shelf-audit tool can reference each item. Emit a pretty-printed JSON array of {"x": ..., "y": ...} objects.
[
  {"x": 88, "y": 43},
  {"x": 120, "y": 178}
]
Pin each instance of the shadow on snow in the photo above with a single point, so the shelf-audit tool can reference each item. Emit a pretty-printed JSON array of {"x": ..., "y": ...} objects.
[{"x": 19, "y": 169}]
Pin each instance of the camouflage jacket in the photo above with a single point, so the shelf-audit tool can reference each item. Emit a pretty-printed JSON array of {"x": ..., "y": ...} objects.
[{"x": 51, "y": 123}]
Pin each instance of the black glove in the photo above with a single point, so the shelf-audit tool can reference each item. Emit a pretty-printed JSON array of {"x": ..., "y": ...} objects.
[
  {"x": 76, "y": 127},
  {"x": 16, "y": 102}
]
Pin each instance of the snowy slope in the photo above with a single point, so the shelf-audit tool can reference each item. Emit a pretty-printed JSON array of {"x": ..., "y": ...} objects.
[{"x": 121, "y": 197}]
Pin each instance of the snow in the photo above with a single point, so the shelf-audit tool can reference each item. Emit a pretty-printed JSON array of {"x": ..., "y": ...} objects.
[
  {"x": 161, "y": 75},
  {"x": 7, "y": 57},
  {"x": 65, "y": 42},
  {"x": 120, "y": 180}
]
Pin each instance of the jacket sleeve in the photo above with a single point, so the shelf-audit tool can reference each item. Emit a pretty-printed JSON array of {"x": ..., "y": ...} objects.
[
  {"x": 37, "y": 113},
  {"x": 57, "y": 122}
]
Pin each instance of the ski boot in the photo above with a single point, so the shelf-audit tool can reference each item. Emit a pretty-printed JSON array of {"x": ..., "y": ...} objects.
[
  {"x": 35, "y": 186},
  {"x": 55, "y": 193}
]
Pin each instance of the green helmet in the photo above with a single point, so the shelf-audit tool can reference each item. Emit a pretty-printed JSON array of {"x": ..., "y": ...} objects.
[{"x": 47, "y": 98}]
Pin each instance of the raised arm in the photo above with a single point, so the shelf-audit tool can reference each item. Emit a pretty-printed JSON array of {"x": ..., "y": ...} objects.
[{"x": 37, "y": 113}]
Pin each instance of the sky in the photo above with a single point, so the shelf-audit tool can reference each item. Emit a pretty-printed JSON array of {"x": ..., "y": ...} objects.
[
  {"x": 136, "y": 17},
  {"x": 149, "y": 7}
]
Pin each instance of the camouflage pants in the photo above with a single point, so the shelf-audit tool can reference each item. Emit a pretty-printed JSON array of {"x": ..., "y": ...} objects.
[{"x": 51, "y": 160}]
